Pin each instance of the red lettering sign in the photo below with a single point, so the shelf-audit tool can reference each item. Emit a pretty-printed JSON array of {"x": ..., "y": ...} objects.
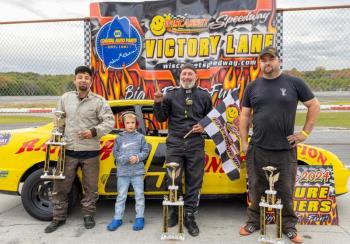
[
  {"x": 28, "y": 146},
  {"x": 213, "y": 164},
  {"x": 106, "y": 149}
]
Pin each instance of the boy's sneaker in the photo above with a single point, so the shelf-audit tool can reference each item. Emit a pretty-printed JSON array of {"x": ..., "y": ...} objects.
[
  {"x": 54, "y": 225},
  {"x": 89, "y": 222},
  {"x": 294, "y": 237},
  {"x": 247, "y": 229},
  {"x": 139, "y": 224},
  {"x": 114, "y": 224}
]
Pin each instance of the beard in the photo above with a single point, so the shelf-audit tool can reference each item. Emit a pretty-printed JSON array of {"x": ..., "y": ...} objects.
[
  {"x": 187, "y": 85},
  {"x": 268, "y": 70},
  {"x": 83, "y": 88}
]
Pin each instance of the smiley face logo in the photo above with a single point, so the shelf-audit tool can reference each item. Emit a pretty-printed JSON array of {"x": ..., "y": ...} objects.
[
  {"x": 157, "y": 25},
  {"x": 231, "y": 113}
]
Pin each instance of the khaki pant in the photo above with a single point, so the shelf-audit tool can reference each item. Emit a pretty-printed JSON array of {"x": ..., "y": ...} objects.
[{"x": 61, "y": 188}]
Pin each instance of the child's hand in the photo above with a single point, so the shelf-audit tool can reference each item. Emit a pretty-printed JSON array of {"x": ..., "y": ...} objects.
[{"x": 133, "y": 159}]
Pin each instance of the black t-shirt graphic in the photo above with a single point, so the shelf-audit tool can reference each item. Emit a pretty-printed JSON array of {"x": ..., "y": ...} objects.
[{"x": 274, "y": 104}]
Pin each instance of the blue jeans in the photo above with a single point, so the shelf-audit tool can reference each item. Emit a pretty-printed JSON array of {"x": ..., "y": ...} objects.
[{"x": 123, "y": 183}]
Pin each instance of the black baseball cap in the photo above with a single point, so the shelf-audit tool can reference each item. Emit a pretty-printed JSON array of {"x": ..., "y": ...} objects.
[
  {"x": 188, "y": 66},
  {"x": 269, "y": 50}
]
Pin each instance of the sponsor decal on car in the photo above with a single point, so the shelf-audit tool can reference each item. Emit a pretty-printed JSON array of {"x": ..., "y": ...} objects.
[
  {"x": 4, "y": 138},
  {"x": 3, "y": 173}
]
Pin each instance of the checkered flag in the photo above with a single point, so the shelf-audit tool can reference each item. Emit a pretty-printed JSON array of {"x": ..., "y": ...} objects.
[{"x": 221, "y": 124}]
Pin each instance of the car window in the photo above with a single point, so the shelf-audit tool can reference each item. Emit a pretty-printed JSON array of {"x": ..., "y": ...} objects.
[{"x": 153, "y": 127}]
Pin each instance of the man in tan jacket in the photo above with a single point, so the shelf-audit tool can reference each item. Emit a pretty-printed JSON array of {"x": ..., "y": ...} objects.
[{"x": 87, "y": 118}]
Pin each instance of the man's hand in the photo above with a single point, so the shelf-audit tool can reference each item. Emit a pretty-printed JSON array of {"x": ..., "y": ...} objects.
[
  {"x": 133, "y": 159},
  {"x": 296, "y": 138},
  {"x": 197, "y": 128},
  {"x": 86, "y": 134},
  {"x": 158, "y": 97}
]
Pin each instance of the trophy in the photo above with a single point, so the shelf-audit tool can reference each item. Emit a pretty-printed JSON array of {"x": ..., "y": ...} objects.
[
  {"x": 270, "y": 203},
  {"x": 56, "y": 139},
  {"x": 173, "y": 200}
]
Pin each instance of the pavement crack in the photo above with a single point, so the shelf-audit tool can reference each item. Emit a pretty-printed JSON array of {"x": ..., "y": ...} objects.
[{"x": 7, "y": 210}]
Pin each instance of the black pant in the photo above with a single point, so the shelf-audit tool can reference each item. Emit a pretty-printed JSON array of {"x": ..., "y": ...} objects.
[
  {"x": 189, "y": 153},
  {"x": 286, "y": 164}
]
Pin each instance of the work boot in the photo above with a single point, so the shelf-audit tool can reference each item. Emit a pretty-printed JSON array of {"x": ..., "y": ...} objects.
[
  {"x": 294, "y": 237},
  {"x": 54, "y": 225},
  {"x": 174, "y": 217},
  {"x": 191, "y": 224},
  {"x": 89, "y": 222}
]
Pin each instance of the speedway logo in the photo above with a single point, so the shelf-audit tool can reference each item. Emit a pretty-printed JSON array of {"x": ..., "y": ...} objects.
[
  {"x": 118, "y": 43},
  {"x": 177, "y": 24},
  {"x": 224, "y": 21}
]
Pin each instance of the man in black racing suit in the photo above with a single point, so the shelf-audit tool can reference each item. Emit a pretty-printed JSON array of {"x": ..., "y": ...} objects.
[{"x": 184, "y": 107}]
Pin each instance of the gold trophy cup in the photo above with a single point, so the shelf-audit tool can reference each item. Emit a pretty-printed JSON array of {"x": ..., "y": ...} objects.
[
  {"x": 173, "y": 200},
  {"x": 56, "y": 139},
  {"x": 268, "y": 204}
]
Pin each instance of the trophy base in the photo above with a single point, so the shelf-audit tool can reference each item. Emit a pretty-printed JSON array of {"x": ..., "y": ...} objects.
[
  {"x": 53, "y": 177},
  {"x": 175, "y": 203},
  {"x": 263, "y": 239},
  {"x": 172, "y": 236}
]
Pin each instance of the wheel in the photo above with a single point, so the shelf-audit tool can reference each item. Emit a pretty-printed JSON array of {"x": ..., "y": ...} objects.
[{"x": 36, "y": 196}]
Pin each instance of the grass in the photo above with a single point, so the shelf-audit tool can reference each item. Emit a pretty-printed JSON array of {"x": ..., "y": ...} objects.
[
  {"x": 17, "y": 119},
  {"x": 334, "y": 101},
  {"x": 29, "y": 105},
  {"x": 327, "y": 119}
]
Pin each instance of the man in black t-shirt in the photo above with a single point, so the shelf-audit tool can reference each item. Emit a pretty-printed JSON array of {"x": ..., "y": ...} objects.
[{"x": 272, "y": 101}]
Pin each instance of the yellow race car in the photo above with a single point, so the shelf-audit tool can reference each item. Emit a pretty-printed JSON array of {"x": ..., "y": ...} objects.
[{"x": 22, "y": 156}]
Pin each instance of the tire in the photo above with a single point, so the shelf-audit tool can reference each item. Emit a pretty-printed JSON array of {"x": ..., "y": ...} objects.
[{"x": 36, "y": 196}]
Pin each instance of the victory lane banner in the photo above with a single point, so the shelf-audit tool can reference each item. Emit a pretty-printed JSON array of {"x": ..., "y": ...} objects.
[{"x": 137, "y": 46}]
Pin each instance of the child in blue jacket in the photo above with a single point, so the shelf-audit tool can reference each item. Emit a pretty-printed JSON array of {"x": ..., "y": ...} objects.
[{"x": 130, "y": 150}]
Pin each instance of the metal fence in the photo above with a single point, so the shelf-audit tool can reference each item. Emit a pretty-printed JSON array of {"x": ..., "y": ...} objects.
[
  {"x": 316, "y": 46},
  {"x": 44, "y": 53}
]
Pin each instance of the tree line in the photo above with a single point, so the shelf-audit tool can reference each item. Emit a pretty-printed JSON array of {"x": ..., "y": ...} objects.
[
  {"x": 33, "y": 84},
  {"x": 324, "y": 80}
]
